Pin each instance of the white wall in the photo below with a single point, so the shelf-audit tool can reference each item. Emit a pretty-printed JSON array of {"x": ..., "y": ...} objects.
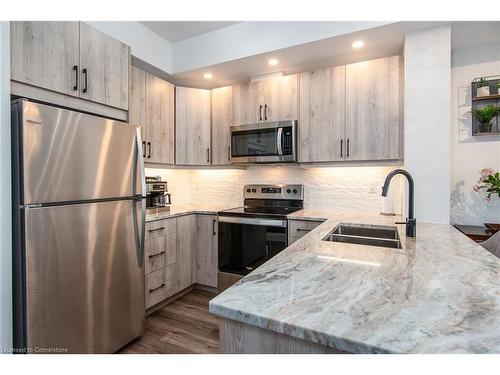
[
  {"x": 470, "y": 154},
  {"x": 5, "y": 193},
  {"x": 341, "y": 188},
  {"x": 427, "y": 121},
  {"x": 144, "y": 44}
]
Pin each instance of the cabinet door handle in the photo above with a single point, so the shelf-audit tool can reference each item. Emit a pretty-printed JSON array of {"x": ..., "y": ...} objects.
[
  {"x": 152, "y": 290},
  {"x": 347, "y": 147},
  {"x": 155, "y": 255},
  {"x": 228, "y": 153},
  {"x": 143, "y": 149},
  {"x": 302, "y": 230},
  {"x": 265, "y": 112},
  {"x": 260, "y": 112},
  {"x": 156, "y": 229},
  {"x": 149, "y": 150},
  {"x": 208, "y": 155},
  {"x": 341, "y": 147},
  {"x": 75, "y": 87},
  {"x": 213, "y": 227},
  {"x": 85, "y": 74}
]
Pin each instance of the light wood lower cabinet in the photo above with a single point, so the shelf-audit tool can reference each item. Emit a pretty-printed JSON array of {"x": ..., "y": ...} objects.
[
  {"x": 299, "y": 228},
  {"x": 179, "y": 252},
  {"x": 185, "y": 274},
  {"x": 206, "y": 250}
]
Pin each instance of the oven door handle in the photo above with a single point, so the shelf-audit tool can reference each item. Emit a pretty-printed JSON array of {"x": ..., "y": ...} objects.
[
  {"x": 252, "y": 221},
  {"x": 279, "y": 138}
]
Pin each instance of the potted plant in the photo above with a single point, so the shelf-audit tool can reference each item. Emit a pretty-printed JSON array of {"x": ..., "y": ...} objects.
[
  {"x": 483, "y": 88},
  {"x": 484, "y": 116},
  {"x": 489, "y": 180}
]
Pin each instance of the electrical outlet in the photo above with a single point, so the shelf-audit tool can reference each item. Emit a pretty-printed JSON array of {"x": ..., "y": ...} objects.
[{"x": 374, "y": 189}]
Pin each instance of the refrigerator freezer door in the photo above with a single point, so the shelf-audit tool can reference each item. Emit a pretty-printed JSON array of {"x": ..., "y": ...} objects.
[
  {"x": 85, "y": 278},
  {"x": 72, "y": 156}
]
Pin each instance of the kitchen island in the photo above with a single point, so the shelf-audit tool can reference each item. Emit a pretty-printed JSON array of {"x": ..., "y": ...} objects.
[{"x": 439, "y": 293}]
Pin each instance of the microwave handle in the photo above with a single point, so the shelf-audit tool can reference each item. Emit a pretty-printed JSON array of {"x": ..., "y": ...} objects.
[{"x": 279, "y": 138}]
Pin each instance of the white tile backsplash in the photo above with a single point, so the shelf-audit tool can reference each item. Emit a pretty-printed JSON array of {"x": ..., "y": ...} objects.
[{"x": 342, "y": 188}]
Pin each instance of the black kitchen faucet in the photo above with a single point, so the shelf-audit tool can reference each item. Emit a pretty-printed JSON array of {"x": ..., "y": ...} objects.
[{"x": 411, "y": 222}]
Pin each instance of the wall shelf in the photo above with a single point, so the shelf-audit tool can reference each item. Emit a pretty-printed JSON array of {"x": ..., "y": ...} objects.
[
  {"x": 482, "y": 101},
  {"x": 489, "y": 97}
]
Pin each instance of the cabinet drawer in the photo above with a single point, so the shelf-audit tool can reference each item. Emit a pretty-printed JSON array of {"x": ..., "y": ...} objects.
[
  {"x": 160, "y": 228},
  {"x": 154, "y": 262},
  {"x": 156, "y": 287},
  {"x": 160, "y": 252},
  {"x": 297, "y": 228}
]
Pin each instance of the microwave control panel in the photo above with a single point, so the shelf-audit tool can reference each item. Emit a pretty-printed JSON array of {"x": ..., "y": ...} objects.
[{"x": 287, "y": 141}]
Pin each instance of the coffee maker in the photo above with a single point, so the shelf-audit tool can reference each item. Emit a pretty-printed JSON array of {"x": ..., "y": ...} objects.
[{"x": 156, "y": 193}]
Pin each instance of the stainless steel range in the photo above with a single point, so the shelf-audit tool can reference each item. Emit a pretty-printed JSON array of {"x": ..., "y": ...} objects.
[{"x": 252, "y": 234}]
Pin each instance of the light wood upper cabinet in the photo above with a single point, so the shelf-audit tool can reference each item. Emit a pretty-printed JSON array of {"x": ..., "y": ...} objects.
[
  {"x": 104, "y": 63},
  {"x": 374, "y": 109},
  {"x": 192, "y": 119},
  {"x": 322, "y": 115},
  {"x": 152, "y": 108},
  {"x": 206, "y": 250},
  {"x": 185, "y": 266},
  {"x": 159, "y": 121},
  {"x": 71, "y": 58},
  {"x": 279, "y": 97},
  {"x": 46, "y": 54},
  {"x": 271, "y": 99},
  {"x": 222, "y": 119},
  {"x": 245, "y": 107},
  {"x": 137, "y": 100}
]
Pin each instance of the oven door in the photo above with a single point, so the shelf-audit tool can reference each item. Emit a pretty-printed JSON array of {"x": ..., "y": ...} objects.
[
  {"x": 270, "y": 142},
  {"x": 245, "y": 243}
]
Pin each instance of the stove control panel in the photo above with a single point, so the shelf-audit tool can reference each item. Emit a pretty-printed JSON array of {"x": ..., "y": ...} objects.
[{"x": 274, "y": 192}]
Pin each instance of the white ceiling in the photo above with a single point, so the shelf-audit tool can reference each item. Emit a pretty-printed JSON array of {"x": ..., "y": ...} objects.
[
  {"x": 175, "y": 31},
  {"x": 380, "y": 41}
]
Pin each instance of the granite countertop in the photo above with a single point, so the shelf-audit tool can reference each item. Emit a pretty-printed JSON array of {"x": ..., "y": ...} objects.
[
  {"x": 439, "y": 294},
  {"x": 184, "y": 209}
]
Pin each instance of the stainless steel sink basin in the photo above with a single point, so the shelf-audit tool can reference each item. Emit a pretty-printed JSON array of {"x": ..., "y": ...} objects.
[{"x": 364, "y": 234}]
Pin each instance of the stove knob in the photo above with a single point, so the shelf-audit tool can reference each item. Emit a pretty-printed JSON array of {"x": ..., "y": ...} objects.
[
  {"x": 288, "y": 191},
  {"x": 248, "y": 190},
  {"x": 254, "y": 190},
  {"x": 295, "y": 191}
]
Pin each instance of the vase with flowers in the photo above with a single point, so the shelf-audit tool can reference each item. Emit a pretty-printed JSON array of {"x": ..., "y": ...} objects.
[{"x": 490, "y": 181}]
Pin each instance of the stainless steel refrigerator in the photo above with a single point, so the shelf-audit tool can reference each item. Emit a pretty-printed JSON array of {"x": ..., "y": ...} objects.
[{"x": 79, "y": 222}]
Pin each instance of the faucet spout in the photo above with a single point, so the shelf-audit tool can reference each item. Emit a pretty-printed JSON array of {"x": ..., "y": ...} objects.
[{"x": 411, "y": 222}]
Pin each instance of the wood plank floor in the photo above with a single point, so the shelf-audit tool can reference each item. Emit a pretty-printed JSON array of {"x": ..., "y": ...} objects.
[{"x": 182, "y": 327}]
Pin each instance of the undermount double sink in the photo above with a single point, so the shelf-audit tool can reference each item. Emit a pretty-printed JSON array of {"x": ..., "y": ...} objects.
[{"x": 364, "y": 234}]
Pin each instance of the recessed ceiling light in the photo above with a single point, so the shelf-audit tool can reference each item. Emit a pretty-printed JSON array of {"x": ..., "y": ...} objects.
[
  {"x": 208, "y": 76},
  {"x": 358, "y": 44},
  {"x": 273, "y": 62}
]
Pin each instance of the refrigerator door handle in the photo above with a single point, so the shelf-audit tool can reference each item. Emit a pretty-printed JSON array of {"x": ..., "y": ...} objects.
[
  {"x": 138, "y": 197},
  {"x": 139, "y": 165}
]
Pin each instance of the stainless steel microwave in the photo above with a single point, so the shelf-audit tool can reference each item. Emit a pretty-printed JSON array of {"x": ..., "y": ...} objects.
[{"x": 264, "y": 142}]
